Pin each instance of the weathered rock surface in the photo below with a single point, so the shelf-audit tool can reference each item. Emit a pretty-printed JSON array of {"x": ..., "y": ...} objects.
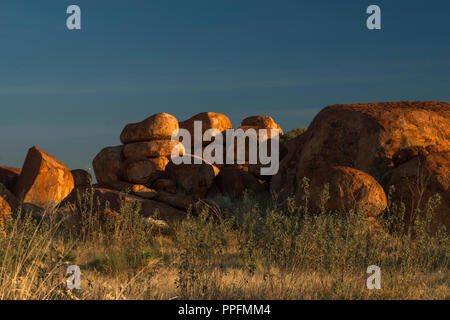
[
  {"x": 284, "y": 183},
  {"x": 160, "y": 163},
  {"x": 152, "y": 149},
  {"x": 128, "y": 188},
  {"x": 160, "y": 126},
  {"x": 9, "y": 176},
  {"x": 375, "y": 137},
  {"x": 210, "y": 120},
  {"x": 140, "y": 171},
  {"x": 262, "y": 122},
  {"x": 421, "y": 178},
  {"x": 349, "y": 189},
  {"x": 193, "y": 179},
  {"x": 81, "y": 178},
  {"x": 233, "y": 182},
  {"x": 143, "y": 191},
  {"x": 158, "y": 226},
  {"x": 108, "y": 165},
  {"x": 44, "y": 180}
]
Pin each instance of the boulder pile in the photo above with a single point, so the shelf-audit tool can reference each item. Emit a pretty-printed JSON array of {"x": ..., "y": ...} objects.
[
  {"x": 354, "y": 153},
  {"x": 143, "y": 165}
]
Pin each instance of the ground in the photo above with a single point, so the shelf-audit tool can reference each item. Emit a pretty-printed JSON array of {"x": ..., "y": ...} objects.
[{"x": 249, "y": 249}]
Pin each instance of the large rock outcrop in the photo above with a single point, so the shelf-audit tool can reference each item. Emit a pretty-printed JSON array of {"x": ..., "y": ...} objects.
[
  {"x": 140, "y": 170},
  {"x": 44, "y": 180}
]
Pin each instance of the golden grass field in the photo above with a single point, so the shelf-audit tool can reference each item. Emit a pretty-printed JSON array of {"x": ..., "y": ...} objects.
[{"x": 249, "y": 249}]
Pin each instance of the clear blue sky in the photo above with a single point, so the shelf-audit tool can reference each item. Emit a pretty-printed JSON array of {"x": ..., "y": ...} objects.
[{"x": 72, "y": 92}]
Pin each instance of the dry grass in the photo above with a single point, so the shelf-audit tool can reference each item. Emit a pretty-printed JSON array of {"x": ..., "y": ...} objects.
[{"x": 250, "y": 250}]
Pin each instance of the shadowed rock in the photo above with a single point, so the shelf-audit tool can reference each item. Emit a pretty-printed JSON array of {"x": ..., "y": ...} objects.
[
  {"x": 371, "y": 137},
  {"x": 166, "y": 185},
  {"x": 233, "y": 181},
  {"x": 349, "y": 189},
  {"x": 260, "y": 122},
  {"x": 108, "y": 165},
  {"x": 9, "y": 176}
]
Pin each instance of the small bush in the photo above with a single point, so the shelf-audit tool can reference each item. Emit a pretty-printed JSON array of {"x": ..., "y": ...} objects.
[{"x": 292, "y": 134}]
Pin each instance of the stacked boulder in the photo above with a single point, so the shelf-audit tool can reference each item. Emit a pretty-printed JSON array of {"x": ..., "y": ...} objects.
[
  {"x": 148, "y": 148},
  {"x": 144, "y": 155}
]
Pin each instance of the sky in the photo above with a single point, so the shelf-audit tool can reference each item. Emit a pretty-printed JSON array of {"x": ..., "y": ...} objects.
[{"x": 71, "y": 92}]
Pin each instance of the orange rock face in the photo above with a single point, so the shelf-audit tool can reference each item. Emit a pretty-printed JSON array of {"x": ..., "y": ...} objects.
[
  {"x": 154, "y": 149},
  {"x": 375, "y": 137},
  {"x": 160, "y": 126},
  {"x": 108, "y": 165},
  {"x": 44, "y": 180},
  {"x": 421, "y": 178},
  {"x": 349, "y": 189},
  {"x": 210, "y": 120},
  {"x": 9, "y": 176}
]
